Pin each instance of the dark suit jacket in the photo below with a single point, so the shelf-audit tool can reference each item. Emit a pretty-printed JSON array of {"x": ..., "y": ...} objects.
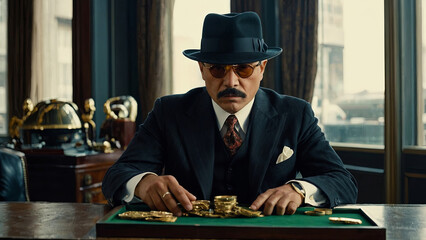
[{"x": 178, "y": 138}]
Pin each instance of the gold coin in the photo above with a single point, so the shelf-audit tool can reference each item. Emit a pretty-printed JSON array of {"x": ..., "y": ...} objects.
[
  {"x": 161, "y": 219},
  {"x": 345, "y": 220},
  {"x": 160, "y": 214},
  {"x": 328, "y": 211},
  {"x": 141, "y": 215},
  {"x": 201, "y": 204},
  {"x": 225, "y": 198},
  {"x": 315, "y": 213},
  {"x": 247, "y": 212}
]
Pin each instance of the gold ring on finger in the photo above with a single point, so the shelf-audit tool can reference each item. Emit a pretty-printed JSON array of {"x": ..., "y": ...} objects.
[{"x": 165, "y": 194}]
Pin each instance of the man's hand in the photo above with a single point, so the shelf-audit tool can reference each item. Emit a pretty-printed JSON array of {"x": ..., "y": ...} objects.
[
  {"x": 284, "y": 199},
  {"x": 163, "y": 193}
]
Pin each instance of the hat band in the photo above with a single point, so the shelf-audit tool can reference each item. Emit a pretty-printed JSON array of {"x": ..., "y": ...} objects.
[{"x": 219, "y": 45}]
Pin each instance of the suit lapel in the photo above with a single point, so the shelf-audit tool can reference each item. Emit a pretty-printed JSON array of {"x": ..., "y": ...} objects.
[
  {"x": 266, "y": 125},
  {"x": 198, "y": 130}
]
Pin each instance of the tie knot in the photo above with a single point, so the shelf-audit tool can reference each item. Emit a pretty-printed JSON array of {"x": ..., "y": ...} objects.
[{"x": 231, "y": 121}]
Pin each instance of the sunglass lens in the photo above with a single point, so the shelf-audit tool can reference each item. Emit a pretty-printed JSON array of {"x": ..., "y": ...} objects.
[
  {"x": 218, "y": 71},
  {"x": 244, "y": 70}
]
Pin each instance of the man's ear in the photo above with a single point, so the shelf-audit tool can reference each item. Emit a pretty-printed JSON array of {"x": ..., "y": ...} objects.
[
  {"x": 200, "y": 64},
  {"x": 263, "y": 66}
]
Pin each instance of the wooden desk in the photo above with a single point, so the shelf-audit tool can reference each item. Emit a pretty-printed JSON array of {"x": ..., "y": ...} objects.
[
  {"x": 49, "y": 220},
  {"x": 77, "y": 220},
  {"x": 70, "y": 176}
]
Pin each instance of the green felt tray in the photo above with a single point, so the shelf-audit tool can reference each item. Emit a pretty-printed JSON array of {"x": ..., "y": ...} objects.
[
  {"x": 297, "y": 226},
  {"x": 299, "y": 219}
]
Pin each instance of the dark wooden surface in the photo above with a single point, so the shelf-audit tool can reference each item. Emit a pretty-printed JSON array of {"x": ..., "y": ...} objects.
[
  {"x": 57, "y": 176},
  {"x": 38, "y": 220},
  {"x": 49, "y": 220}
]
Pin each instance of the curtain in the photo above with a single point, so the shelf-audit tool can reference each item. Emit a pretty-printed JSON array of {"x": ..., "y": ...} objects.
[
  {"x": 81, "y": 53},
  {"x": 299, "y": 33},
  {"x": 247, "y": 5},
  {"x": 154, "y": 50},
  {"x": 19, "y": 39}
]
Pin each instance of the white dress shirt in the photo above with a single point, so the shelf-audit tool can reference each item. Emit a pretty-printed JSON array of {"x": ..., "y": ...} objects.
[{"x": 313, "y": 196}]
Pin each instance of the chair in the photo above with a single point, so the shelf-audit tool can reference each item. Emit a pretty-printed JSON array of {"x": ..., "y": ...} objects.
[{"x": 13, "y": 176}]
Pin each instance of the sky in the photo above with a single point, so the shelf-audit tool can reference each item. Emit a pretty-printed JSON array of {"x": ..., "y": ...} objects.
[{"x": 363, "y": 56}]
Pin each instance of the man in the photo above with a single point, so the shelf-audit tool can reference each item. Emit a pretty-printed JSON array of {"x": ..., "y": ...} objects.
[{"x": 231, "y": 137}]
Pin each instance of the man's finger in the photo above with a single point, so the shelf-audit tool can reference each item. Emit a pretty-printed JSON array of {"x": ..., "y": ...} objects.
[
  {"x": 260, "y": 200},
  {"x": 291, "y": 208},
  {"x": 281, "y": 206},
  {"x": 158, "y": 202},
  {"x": 171, "y": 204},
  {"x": 181, "y": 196},
  {"x": 271, "y": 202},
  {"x": 190, "y": 195}
]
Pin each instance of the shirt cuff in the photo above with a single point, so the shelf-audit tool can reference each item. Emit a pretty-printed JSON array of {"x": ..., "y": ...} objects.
[
  {"x": 313, "y": 195},
  {"x": 129, "y": 197}
]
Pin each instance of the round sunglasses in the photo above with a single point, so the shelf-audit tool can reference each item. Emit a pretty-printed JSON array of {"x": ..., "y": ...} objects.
[{"x": 220, "y": 70}]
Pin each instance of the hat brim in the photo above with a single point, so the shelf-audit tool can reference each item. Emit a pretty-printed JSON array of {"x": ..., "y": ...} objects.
[{"x": 231, "y": 58}]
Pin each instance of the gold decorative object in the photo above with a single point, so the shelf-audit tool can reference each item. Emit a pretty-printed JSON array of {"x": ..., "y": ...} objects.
[
  {"x": 121, "y": 107},
  {"x": 53, "y": 114},
  {"x": 16, "y": 123},
  {"x": 87, "y": 118},
  {"x": 119, "y": 125},
  {"x": 50, "y": 123}
]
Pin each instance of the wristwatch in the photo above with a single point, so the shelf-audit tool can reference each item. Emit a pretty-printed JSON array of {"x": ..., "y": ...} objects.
[{"x": 299, "y": 189}]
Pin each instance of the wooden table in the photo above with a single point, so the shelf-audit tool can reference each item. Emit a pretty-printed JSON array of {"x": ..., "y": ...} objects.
[{"x": 39, "y": 220}]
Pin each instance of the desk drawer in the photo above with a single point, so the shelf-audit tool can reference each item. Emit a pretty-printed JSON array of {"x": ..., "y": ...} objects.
[{"x": 91, "y": 195}]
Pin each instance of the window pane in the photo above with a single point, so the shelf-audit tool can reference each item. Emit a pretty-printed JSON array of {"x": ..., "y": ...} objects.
[
  {"x": 423, "y": 82},
  {"x": 187, "y": 28},
  {"x": 349, "y": 90},
  {"x": 3, "y": 68},
  {"x": 52, "y": 50}
]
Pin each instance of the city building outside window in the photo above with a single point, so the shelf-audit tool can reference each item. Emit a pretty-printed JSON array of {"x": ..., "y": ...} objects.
[
  {"x": 3, "y": 68},
  {"x": 52, "y": 50},
  {"x": 422, "y": 79},
  {"x": 349, "y": 88}
]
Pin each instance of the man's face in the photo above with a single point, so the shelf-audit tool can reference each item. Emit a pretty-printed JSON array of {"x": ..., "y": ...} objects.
[{"x": 232, "y": 92}]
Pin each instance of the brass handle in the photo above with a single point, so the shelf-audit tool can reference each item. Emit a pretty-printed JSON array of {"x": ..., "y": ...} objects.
[
  {"x": 87, "y": 179},
  {"x": 88, "y": 197}
]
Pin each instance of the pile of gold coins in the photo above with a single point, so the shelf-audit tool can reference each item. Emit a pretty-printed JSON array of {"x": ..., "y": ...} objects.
[
  {"x": 152, "y": 216},
  {"x": 320, "y": 212},
  {"x": 224, "y": 207}
]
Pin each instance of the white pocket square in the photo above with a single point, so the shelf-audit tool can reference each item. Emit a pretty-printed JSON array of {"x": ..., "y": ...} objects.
[{"x": 286, "y": 154}]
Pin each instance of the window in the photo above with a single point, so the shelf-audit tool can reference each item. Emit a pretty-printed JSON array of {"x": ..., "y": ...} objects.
[
  {"x": 422, "y": 79},
  {"x": 3, "y": 68},
  {"x": 52, "y": 50},
  {"x": 349, "y": 91},
  {"x": 187, "y": 29}
]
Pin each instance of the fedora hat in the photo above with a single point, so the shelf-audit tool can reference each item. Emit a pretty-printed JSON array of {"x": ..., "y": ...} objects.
[{"x": 232, "y": 38}]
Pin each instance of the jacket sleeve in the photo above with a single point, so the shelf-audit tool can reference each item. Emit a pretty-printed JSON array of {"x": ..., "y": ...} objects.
[{"x": 320, "y": 165}]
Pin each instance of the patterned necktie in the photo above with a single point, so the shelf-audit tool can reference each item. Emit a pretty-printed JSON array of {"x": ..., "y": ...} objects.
[{"x": 231, "y": 138}]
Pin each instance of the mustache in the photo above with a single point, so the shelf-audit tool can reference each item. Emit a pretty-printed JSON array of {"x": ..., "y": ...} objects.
[{"x": 231, "y": 91}]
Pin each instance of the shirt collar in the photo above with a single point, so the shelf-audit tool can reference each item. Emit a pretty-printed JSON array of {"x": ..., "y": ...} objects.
[{"x": 241, "y": 115}]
